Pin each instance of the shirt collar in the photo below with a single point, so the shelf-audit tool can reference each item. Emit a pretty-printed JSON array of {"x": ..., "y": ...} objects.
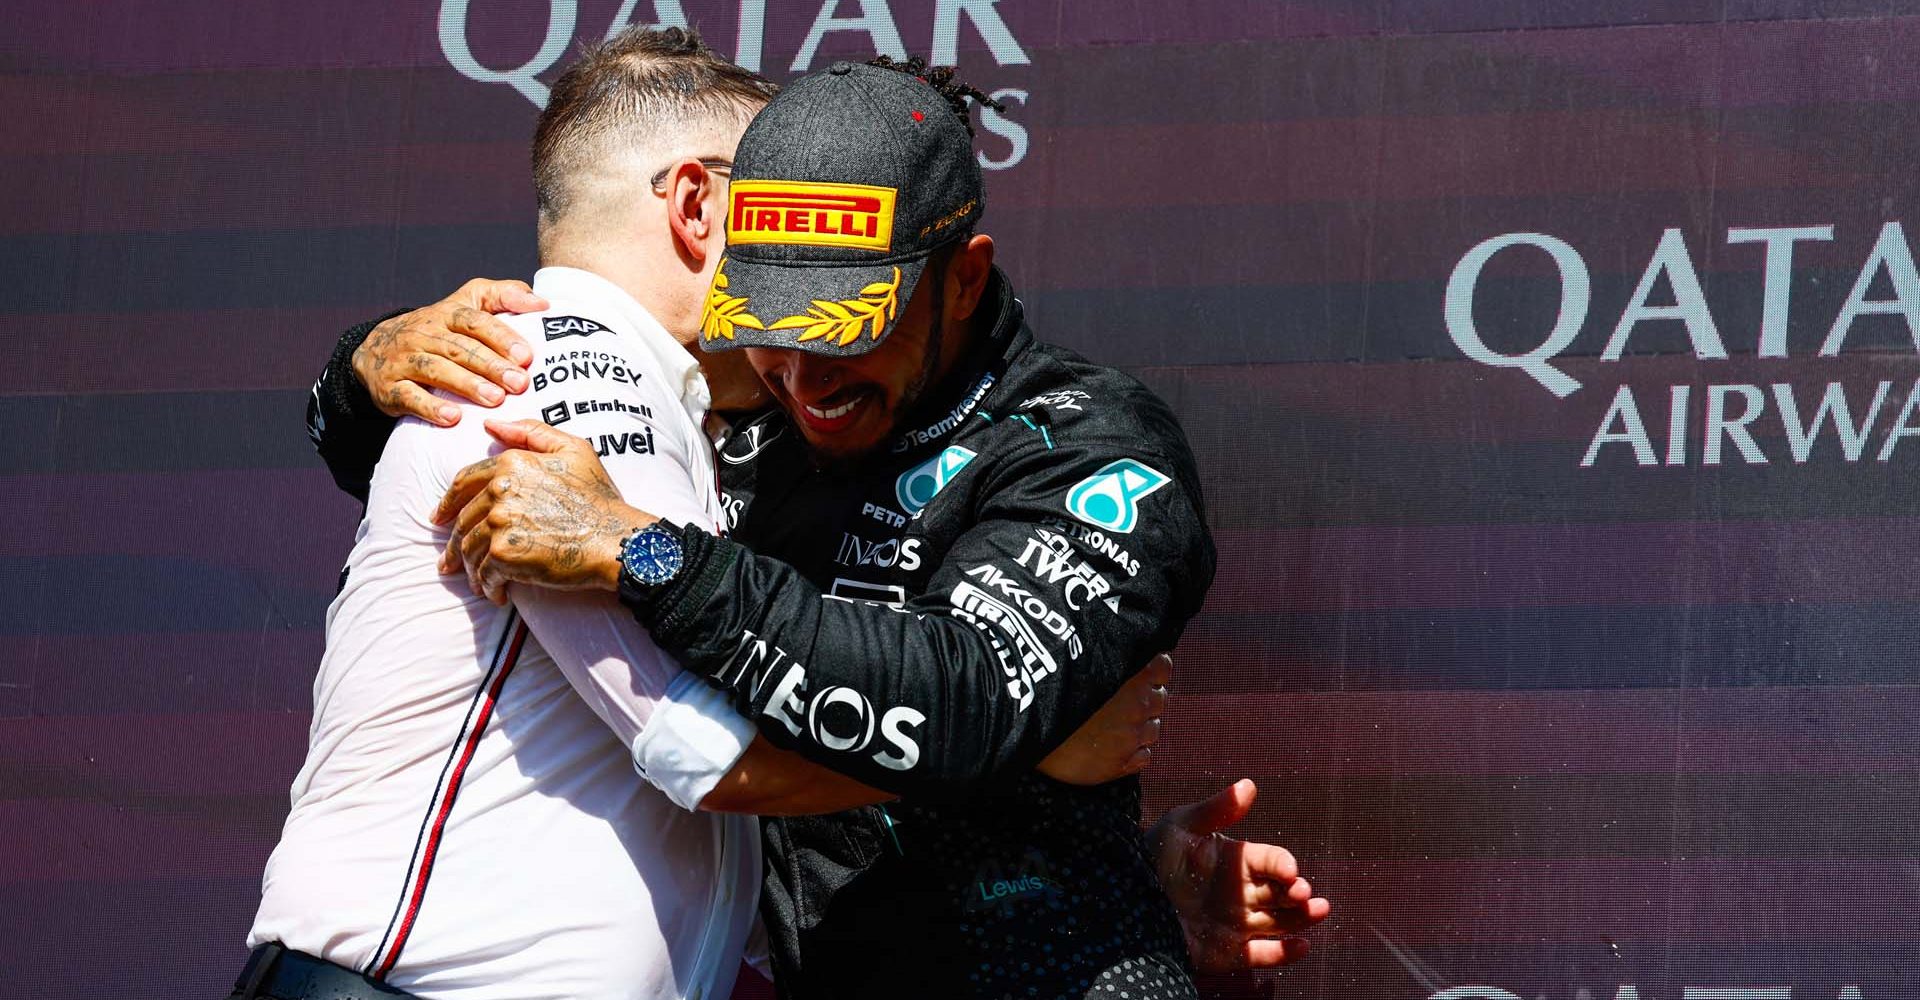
[{"x": 565, "y": 285}]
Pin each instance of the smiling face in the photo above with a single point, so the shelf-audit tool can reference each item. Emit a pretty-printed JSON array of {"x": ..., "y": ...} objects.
[{"x": 847, "y": 406}]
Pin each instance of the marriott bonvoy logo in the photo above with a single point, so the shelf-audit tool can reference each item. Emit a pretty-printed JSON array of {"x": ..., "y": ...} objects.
[{"x": 1679, "y": 427}]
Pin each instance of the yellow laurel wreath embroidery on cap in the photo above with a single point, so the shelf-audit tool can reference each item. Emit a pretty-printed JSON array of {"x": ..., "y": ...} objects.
[
  {"x": 841, "y": 321},
  {"x": 724, "y": 312}
]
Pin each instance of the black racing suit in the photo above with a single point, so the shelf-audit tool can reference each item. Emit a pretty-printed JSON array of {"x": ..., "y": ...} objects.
[{"x": 939, "y": 615}]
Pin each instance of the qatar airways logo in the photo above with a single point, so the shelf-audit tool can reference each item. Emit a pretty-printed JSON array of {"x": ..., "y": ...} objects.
[
  {"x": 1858, "y": 420},
  {"x": 874, "y": 22}
]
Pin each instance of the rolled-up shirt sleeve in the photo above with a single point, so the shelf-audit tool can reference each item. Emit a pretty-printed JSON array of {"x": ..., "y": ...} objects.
[{"x": 684, "y": 735}]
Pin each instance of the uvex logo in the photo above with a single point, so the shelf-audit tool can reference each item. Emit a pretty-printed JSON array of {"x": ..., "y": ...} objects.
[{"x": 811, "y": 214}]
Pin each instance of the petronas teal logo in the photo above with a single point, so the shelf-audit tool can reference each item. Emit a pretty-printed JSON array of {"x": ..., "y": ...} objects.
[
  {"x": 917, "y": 486},
  {"x": 1110, "y": 499}
]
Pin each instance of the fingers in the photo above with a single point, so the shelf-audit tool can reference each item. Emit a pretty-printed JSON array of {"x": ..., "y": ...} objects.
[
  {"x": 475, "y": 546},
  {"x": 500, "y": 295},
  {"x": 485, "y": 343},
  {"x": 474, "y": 515},
  {"x": 1273, "y": 923},
  {"x": 493, "y": 584},
  {"x": 1217, "y": 812},
  {"x": 1275, "y": 895},
  {"x": 436, "y": 371},
  {"x": 467, "y": 483},
  {"x": 1268, "y": 863},
  {"x": 1155, "y": 701},
  {"x": 1269, "y": 953},
  {"x": 1160, "y": 670},
  {"x": 532, "y": 435},
  {"x": 403, "y": 399},
  {"x": 451, "y": 560}
]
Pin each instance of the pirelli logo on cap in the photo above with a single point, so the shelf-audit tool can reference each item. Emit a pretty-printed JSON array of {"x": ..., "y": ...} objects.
[{"x": 812, "y": 214}]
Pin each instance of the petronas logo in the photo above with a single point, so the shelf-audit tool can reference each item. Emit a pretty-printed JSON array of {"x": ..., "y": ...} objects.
[
  {"x": 1110, "y": 499},
  {"x": 917, "y": 486}
]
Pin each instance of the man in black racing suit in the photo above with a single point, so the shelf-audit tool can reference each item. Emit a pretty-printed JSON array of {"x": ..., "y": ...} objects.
[{"x": 930, "y": 617}]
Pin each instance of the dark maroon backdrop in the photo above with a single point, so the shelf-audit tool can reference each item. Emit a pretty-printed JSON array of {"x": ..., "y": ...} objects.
[{"x": 1549, "y": 729}]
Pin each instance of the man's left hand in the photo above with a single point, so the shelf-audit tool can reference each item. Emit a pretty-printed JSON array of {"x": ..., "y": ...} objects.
[
  {"x": 1242, "y": 905},
  {"x": 543, "y": 513}
]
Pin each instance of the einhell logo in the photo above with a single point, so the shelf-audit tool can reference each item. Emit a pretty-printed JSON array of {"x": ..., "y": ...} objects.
[{"x": 812, "y": 214}]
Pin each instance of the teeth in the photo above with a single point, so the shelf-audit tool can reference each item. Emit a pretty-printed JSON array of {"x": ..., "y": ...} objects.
[{"x": 839, "y": 411}]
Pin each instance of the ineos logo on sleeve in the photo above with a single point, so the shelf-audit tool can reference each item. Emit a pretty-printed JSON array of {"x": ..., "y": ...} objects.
[
  {"x": 836, "y": 717},
  {"x": 570, "y": 326}
]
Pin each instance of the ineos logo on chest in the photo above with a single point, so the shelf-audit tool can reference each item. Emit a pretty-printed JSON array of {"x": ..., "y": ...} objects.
[{"x": 857, "y": 551}]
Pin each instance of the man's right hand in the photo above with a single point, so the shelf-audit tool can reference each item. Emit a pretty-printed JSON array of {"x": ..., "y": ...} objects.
[
  {"x": 1119, "y": 739},
  {"x": 456, "y": 344}
]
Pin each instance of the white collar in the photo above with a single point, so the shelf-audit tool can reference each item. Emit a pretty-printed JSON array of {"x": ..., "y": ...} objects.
[{"x": 677, "y": 364}]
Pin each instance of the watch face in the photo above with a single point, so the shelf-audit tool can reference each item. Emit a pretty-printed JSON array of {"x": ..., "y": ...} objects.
[{"x": 653, "y": 555}]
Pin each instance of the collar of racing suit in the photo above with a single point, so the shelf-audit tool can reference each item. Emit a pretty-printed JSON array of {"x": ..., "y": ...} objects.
[{"x": 984, "y": 362}]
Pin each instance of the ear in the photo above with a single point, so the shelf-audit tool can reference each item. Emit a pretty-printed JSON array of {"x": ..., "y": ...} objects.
[
  {"x": 690, "y": 216},
  {"x": 967, "y": 275}
]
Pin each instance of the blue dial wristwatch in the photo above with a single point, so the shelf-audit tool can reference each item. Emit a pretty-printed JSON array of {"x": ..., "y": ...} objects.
[{"x": 651, "y": 557}]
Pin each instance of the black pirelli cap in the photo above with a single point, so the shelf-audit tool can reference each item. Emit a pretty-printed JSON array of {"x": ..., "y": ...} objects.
[{"x": 842, "y": 187}]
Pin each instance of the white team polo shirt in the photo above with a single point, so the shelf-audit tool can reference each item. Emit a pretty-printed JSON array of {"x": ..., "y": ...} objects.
[{"x": 469, "y": 823}]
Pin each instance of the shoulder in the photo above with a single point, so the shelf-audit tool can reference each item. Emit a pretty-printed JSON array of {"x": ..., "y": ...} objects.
[{"x": 1097, "y": 409}]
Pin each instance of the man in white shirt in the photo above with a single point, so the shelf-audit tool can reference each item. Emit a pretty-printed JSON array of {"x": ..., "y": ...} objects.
[{"x": 468, "y": 823}]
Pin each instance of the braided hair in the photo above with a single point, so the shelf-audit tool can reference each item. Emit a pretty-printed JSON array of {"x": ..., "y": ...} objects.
[{"x": 941, "y": 79}]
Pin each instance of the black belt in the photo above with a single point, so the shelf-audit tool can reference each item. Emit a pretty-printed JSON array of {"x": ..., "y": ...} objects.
[{"x": 274, "y": 972}]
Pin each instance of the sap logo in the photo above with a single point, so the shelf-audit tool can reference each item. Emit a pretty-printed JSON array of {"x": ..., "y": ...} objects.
[
  {"x": 917, "y": 486},
  {"x": 1034, "y": 608},
  {"x": 628, "y": 443},
  {"x": 1110, "y": 498},
  {"x": 570, "y": 326},
  {"x": 1050, "y": 558},
  {"x": 857, "y": 551},
  {"x": 835, "y": 717},
  {"x": 986, "y": 613},
  {"x": 890, "y": 518}
]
